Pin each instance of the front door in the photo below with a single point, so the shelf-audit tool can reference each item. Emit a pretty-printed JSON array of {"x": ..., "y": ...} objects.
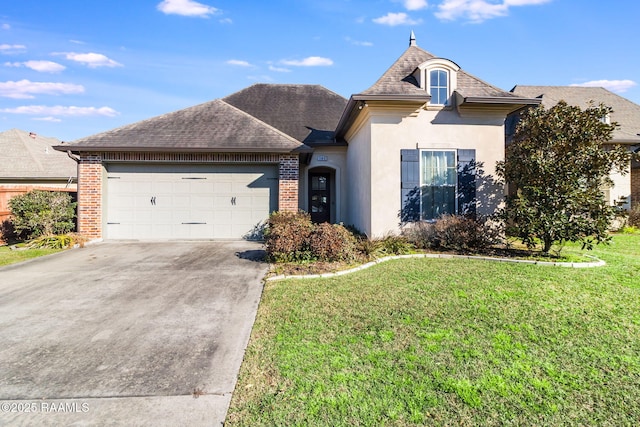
[{"x": 319, "y": 197}]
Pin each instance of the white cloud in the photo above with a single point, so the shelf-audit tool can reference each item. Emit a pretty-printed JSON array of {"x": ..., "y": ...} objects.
[
  {"x": 618, "y": 86},
  {"x": 41, "y": 66},
  {"x": 92, "y": 60},
  {"x": 59, "y": 110},
  {"x": 48, "y": 119},
  {"x": 260, "y": 78},
  {"x": 25, "y": 89},
  {"x": 415, "y": 4},
  {"x": 6, "y": 26},
  {"x": 239, "y": 63},
  {"x": 477, "y": 11},
  {"x": 8, "y": 49},
  {"x": 226, "y": 21},
  {"x": 312, "y": 61},
  {"x": 393, "y": 19},
  {"x": 358, "y": 43},
  {"x": 186, "y": 8},
  {"x": 279, "y": 69}
]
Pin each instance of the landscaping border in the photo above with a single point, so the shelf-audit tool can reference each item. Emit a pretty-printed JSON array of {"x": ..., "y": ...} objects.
[{"x": 596, "y": 263}]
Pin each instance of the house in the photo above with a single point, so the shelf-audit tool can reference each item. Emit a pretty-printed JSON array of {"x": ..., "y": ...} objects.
[
  {"x": 29, "y": 162},
  {"x": 626, "y": 113},
  {"x": 421, "y": 142}
]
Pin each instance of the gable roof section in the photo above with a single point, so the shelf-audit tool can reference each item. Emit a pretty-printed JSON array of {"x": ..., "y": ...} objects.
[
  {"x": 625, "y": 112},
  {"x": 29, "y": 156},
  {"x": 214, "y": 126},
  {"x": 308, "y": 113},
  {"x": 398, "y": 83}
]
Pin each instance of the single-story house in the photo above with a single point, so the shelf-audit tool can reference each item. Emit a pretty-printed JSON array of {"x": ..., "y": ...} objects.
[
  {"x": 29, "y": 162},
  {"x": 421, "y": 142},
  {"x": 626, "y": 114}
]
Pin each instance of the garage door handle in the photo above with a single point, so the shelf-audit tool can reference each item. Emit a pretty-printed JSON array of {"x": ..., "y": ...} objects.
[
  {"x": 153, "y": 201},
  {"x": 233, "y": 201},
  {"x": 193, "y": 223}
]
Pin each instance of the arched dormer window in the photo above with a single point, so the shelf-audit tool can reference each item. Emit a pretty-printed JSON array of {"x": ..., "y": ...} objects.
[
  {"x": 438, "y": 76},
  {"x": 439, "y": 86}
]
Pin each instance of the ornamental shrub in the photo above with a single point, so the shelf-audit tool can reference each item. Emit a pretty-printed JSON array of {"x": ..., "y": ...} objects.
[
  {"x": 455, "y": 232},
  {"x": 42, "y": 213},
  {"x": 332, "y": 242},
  {"x": 286, "y": 236}
]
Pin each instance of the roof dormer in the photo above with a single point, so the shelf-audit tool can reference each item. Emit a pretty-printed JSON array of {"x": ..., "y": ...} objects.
[{"x": 439, "y": 78}]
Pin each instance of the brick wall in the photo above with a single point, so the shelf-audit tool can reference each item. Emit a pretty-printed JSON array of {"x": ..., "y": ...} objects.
[
  {"x": 288, "y": 182},
  {"x": 635, "y": 187},
  {"x": 90, "y": 195}
]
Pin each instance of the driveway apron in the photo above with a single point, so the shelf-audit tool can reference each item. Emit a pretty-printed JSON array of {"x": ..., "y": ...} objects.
[{"x": 127, "y": 333}]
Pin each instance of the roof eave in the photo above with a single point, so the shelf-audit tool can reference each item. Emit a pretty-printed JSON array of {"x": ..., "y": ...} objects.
[
  {"x": 92, "y": 149},
  {"x": 350, "y": 111}
]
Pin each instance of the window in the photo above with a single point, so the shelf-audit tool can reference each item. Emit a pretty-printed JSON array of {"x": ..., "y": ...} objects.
[
  {"x": 438, "y": 182},
  {"x": 439, "y": 86}
]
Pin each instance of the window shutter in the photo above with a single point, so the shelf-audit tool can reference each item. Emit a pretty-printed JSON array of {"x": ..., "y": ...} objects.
[
  {"x": 467, "y": 182},
  {"x": 410, "y": 185}
]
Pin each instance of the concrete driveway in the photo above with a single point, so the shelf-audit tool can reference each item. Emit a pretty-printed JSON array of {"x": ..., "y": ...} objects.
[{"x": 125, "y": 333}]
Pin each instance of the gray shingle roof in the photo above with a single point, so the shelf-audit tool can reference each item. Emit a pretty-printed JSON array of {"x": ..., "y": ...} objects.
[
  {"x": 308, "y": 113},
  {"x": 24, "y": 156},
  {"x": 398, "y": 79},
  {"x": 625, "y": 112},
  {"x": 212, "y": 126}
]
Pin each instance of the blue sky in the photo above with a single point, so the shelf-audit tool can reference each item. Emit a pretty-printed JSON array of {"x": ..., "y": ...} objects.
[{"x": 73, "y": 68}]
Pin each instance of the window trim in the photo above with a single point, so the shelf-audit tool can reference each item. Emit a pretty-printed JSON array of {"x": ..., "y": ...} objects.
[{"x": 422, "y": 75}]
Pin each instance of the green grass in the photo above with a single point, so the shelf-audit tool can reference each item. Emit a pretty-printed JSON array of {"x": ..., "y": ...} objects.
[
  {"x": 449, "y": 342},
  {"x": 7, "y": 256}
]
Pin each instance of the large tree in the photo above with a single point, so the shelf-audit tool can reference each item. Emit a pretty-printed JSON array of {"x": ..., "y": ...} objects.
[{"x": 557, "y": 167}]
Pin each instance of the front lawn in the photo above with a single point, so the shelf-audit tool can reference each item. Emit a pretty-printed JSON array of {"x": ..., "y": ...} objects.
[
  {"x": 7, "y": 256},
  {"x": 449, "y": 342}
]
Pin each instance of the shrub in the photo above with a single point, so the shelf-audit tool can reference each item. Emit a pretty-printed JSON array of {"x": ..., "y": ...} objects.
[
  {"x": 454, "y": 232},
  {"x": 60, "y": 241},
  {"x": 332, "y": 242},
  {"x": 42, "y": 213},
  {"x": 286, "y": 236},
  {"x": 395, "y": 245}
]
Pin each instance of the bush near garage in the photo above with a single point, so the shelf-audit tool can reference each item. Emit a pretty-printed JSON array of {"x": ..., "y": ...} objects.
[
  {"x": 292, "y": 237},
  {"x": 42, "y": 213}
]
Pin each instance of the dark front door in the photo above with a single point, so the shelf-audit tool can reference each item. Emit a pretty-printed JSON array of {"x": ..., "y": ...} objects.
[{"x": 319, "y": 197}]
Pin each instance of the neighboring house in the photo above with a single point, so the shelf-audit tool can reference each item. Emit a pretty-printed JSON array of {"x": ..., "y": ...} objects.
[
  {"x": 421, "y": 142},
  {"x": 28, "y": 162},
  {"x": 627, "y": 114}
]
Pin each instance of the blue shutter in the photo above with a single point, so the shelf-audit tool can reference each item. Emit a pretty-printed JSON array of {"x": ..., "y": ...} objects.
[
  {"x": 467, "y": 182},
  {"x": 410, "y": 185}
]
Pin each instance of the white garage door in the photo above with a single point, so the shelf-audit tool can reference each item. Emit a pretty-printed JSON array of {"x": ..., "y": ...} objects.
[{"x": 188, "y": 201}]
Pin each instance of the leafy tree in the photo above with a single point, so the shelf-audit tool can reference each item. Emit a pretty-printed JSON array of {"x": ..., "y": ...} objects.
[
  {"x": 559, "y": 165},
  {"x": 42, "y": 213}
]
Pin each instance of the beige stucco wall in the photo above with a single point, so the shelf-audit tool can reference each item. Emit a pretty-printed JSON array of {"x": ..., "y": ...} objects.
[
  {"x": 335, "y": 160},
  {"x": 387, "y": 130},
  {"x": 359, "y": 176}
]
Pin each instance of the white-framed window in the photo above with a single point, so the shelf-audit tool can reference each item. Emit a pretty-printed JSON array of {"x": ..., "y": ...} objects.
[
  {"x": 438, "y": 183},
  {"x": 439, "y": 86}
]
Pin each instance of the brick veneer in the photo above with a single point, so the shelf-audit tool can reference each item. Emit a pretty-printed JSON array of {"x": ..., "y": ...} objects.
[
  {"x": 635, "y": 187},
  {"x": 288, "y": 182},
  {"x": 90, "y": 195},
  {"x": 90, "y": 181}
]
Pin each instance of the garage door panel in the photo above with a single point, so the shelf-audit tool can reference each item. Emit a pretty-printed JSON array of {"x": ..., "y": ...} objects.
[{"x": 191, "y": 201}]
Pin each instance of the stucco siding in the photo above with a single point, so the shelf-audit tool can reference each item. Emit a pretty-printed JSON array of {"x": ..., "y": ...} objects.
[
  {"x": 425, "y": 129},
  {"x": 359, "y": 180}
]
